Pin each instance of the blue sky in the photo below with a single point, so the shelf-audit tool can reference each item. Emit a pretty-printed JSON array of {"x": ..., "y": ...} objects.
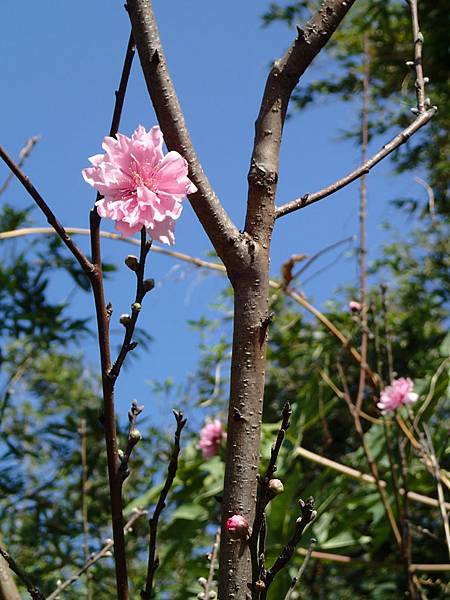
[{"x": 62, "y": 62}]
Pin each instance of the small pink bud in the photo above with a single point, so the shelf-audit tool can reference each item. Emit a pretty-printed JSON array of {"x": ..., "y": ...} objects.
[
  {"x": 354, "y": 306},
  {"x": 237, "y": 527},
  {"x": 276, "y": 486}
]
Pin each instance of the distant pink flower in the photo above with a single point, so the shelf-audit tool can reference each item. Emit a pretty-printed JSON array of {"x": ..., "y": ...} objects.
[
  {"x": 211, "y": 437},
  {"x": 354, "y": 306},
  {"x": 237, "y": 527},
  {"x": 141, "y": 186},
  {"x": 397, "y": 394}
]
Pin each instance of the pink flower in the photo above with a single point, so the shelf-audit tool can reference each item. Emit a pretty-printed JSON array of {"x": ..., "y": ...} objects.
[
  {"x": 354, "y": 306},
  {"x": 141, "y": 187},
  {"x": 237, "y": 527},
  {"x": 400, "y": 392},
  {"x": 211, "y": 437}
]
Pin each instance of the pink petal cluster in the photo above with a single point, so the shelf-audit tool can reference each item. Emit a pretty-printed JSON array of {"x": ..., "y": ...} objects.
[
  {"x": 397, "y": 394},
  {"x": 141, "y": 187},
  {"x": 237, "y": 527},
  {"x": 211, "y": 437},
  {"x": 354, "y": 306}
]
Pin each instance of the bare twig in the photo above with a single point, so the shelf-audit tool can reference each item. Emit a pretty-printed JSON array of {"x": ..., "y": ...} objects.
[
  {"x": 364, "y": 169},
  {"x": 370, "y": 460},
  {"x": 301, "y": 570},
  {"x": 104, "y": 552},
  {"x": 308, "y": 515},
  {"x": 362, "y": 225},
  {"x": 422, "y": 102},
  {"x": 23, "y": 155},
  {"x": 153, "y": 560},
  {"x": 34, "y": 591},
  {"x": 404, "y": 517},
  {"x": 207, "y": 206},
  {"x": 103, "y": 314},
  {"x": 264, "y": 495},
  {"x": 84, "y": 499},
  {"x": 53, "y": 221},
  {"x": 134, "y": 437},
  {"x": 428, "y": 440},
  {"x": 142, "y": 287},
  {"x": 208, "y": 584},
  {"x": 424, "y": 111}
]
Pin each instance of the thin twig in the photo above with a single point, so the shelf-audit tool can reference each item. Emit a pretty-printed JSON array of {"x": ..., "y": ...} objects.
[
  {"x": 362, "y": 225},
  {"x": 104, "y": 552},
  {"x": 207, "y": 206},
  {"x": 23, "y": 155},
  {"x": 404, "y": 518},
  {"x": 264, "y": 495},
  {"x": 302, "y": 568},
  {"x": 364, "y": 169},
  {"x": 84, "y": 500},
  {"x": 440, "y": 491},
  {"x": 209, "y": 583},
  {"x": 153, "y": 560},
  {"x": 370, "y": 460},
  {"x": 308, "y": 514},
  {"x": 142, "y": 287},
  {"x": 53, "y": 221},
  {"x": 34, "y": 591},
  {"x": 418, "y": 66}
]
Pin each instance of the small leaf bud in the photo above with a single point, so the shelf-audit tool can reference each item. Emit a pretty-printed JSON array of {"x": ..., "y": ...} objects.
[
  {"x": 276, "y": 487},
  {"x": 132, "y": 262},
  {"x": 125, "y": 320},
  {"x": 135, "y": 435},
  {"x": 202, "y": 581},
  {"x": 136, "y": 306},
  {"x": 148, "y": 284}
]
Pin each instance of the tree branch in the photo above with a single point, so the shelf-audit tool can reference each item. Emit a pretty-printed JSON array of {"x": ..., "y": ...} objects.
[
  {"x": 217, "y": 224},
  {"x": 153, "y": 560},
  {"x": 52, "y": 220},
  {"x": 143, "y": 286},
  {"x": 282, "y": 79},
  {"x": 34, "y": 591},
  {"x": 264, "y": 495},
  {"x": 363, "y": 169},
  {"x": 424, "y": 112},
  {"x": 23, "y": 155}
]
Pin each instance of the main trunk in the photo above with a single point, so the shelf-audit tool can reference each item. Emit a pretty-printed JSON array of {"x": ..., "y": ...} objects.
[{"x": 251, "y": 319}]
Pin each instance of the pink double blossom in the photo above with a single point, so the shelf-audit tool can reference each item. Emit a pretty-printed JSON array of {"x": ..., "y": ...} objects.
[
  {"x": 399, "y": 393},
  {"x": 211, "y": 437},
  {"x": 141, "y": 187}
]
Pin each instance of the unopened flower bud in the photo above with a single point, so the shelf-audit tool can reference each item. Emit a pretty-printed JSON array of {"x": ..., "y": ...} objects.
[
  {"x": 132, "y": 262},
  {"x": 202, "y": 581},
  {"x": 260, "y": 585},
  {"x": 125, "y": 320},
  {"x": 354, "y": 306},
  {"x": 237, "y": 527},
  {"x": 120, "y": 454},
  {"x": 135, "y": 435},
  {"x": 276, "y": 486},
  {"x": 136, "y": 306},
  {"x": 212, "y": 595},
  {"x": 148, "y": 284}
]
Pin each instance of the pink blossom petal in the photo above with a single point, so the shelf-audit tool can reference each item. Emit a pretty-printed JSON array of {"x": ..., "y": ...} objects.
[{"x": 141, "y": 186}]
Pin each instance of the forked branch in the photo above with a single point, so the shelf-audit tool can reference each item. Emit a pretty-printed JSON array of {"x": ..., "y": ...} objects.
[{"x": 424, "y": 111}]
